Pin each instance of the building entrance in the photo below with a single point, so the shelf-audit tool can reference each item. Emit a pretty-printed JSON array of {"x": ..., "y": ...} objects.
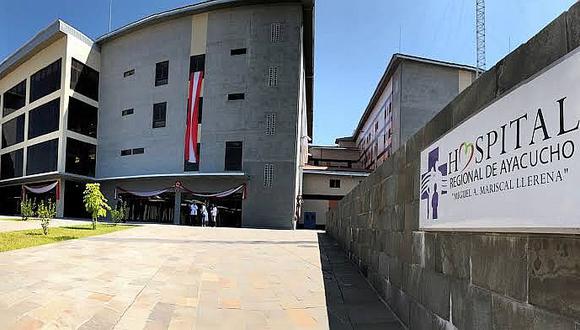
[{"x": 229, "y": 210}]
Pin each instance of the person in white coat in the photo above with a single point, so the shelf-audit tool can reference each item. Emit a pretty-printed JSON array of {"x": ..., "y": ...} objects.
[
  {"x": 204, "y": 216},
  {"x": 214, "y": 214}
]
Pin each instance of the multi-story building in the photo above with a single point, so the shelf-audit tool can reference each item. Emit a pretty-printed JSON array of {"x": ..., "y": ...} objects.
[
  {"x": 210, "y": 98},
  {"x": 331, "y": 173},
  {"x": 410, "y": 93}
]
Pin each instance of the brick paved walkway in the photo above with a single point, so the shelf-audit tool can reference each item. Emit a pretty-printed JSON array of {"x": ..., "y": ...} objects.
[{"x": 169, "y": 277}]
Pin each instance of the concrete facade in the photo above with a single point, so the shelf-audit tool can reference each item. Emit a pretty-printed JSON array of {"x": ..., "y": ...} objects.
[
  {"x": 212, "y": 29},
  {"x": 411, "y": 92},
  {"x": 464, "y": 280}
]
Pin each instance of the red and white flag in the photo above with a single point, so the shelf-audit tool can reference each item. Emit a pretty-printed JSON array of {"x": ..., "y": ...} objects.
[{"x": 191, "y": 152}]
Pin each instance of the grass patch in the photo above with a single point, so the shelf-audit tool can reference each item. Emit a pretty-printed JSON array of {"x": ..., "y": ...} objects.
[{"x": 14, "y": 240}]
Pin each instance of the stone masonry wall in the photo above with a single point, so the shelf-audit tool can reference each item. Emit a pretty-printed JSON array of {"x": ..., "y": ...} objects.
[{"x": 442, "y": 280}]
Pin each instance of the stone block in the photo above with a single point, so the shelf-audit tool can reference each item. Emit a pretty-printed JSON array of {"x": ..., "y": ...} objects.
[
  {"x": 384, "y": 265},
  {"x": 414, "y": 280},
  {"x": 540, "y": 51},
  {"x": 510, "y": 314},
  {"x": 420, "y": 318},
  {"x": 433, "y": 252},
  {"x": 573, "y": 24},
  {"x": 471, "y": 306},
  {"x": 390, "y": 191},
  {"x": 554, "y": 278},
  {"x": 474, "y": 98},
  {"x": 399, "y": 303},
  {"x": 455, "y": 255},
  {"x": 439, "y": 125},
  {"x": 414, "y": 146},
  {"x": 435, "y": 290},
  {"x": 396, "y": 272},
  {"x": 499, "y": 263},
  {"x": 411, "y": 216},
  {"x": 418, "y": 248}
]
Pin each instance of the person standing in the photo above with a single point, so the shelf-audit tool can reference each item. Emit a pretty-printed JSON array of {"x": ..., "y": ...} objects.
[
  {"x": 192, "y": 213},
  {"x": 204, "y": 216},
  {"x": 214, "y": 214}
]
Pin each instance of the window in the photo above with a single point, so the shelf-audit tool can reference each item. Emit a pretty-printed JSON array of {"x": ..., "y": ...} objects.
[
  {"x": 238, "y": 51},
  {"x": 159, "y": 114},
  {"x": 45, "y": 81},
  {"x": 334, "y": 183},
  {"x": 13, "y": 131},
  {"x": 273, "y": 76},
  {"x": 82, "y": 118},
  {"x": 197, "y": 63},
  {"x": 233, "y": 161},
  {"x": 200, "y": 110},
  {"x": 271, "y": 123},
  {"x": 268, "y": 175},
  {"x": 161, "y": 73},
  {"x": 44, "y": 119},
  {"x": 275, "y": 32},
  {"x": 127, "y": 112},
  {"x": 14, "y": 98},
  {"x": 138, "y": 151},
  {"x": 376, "y": 126},
  {"x": 11, "y": 164},
  {"x": 80, "y": 157},
  {"x": 126, "y": 152},
  {"x": 128, "y": 73},
  {"x": 42, "y": 157},
  {"x": 236, "y": 96},
  {"x": 84, "y": 80}
]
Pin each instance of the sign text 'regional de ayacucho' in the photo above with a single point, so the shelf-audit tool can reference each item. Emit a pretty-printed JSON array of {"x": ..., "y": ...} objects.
[{"x": 513, "y": 165}]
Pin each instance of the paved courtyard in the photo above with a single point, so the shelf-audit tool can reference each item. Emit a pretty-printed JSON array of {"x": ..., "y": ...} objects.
[
  {"x": 12, "y": 225},
  {"x": 169, "y": 277}
]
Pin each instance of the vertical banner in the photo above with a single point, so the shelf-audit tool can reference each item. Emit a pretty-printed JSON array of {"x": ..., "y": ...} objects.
[{"x": 191, "y": 131}]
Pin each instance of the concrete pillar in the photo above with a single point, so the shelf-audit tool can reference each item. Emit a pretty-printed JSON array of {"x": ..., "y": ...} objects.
[
  {"x": 177, "y": 208},
  {"x": 60, "y": 202}
]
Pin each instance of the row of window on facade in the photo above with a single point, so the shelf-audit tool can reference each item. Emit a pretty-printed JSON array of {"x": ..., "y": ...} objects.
[
  {"x": 84, "y": 80},
  {"x": 43, "y": 158}
]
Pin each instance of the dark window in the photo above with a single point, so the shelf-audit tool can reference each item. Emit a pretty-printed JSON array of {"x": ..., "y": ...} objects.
[
  {"x": 190, "y": 167},
  {"x": 233, "y": 160},
  {"x": 161, "y": 73},
  {"x": 159, "y": 114},
  {"x": 42, "y": 157},
  {"x": 128, "y": 73},
  {"x": 80, "y": 157},
  {"x": 138, "y": 151},
  {"x": 14, "y": 98},
  {"x": 126, "y": 152},
  {"x": 44, "y": 119},
  {"x": 13, "y": 131},
  {"x": 127, "y": 112},
  {"x": 197, "y": 63},
  {"x": 11, "y": 164},
  {"x": 200, "y": 112},
  {"x": 334, "y": 183},
  {"x": 239, "y": 51},
  {"x": 84, "y": 80},
  {"x": 45, "y": 81},
  {"x": 236, "y": 96},
  {"x": 82, "y": 118}
]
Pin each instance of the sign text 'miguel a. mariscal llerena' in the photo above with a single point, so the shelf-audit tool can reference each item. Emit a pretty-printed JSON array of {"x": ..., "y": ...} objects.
[{"x": 513, "y": 165}]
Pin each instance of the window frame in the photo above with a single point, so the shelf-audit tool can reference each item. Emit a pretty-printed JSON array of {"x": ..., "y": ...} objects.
[
  {"x": 334, "y": 183},
  {"x": 162, "y": 73},
  {"x": 231, "y": 149},
  {"x": 157, "y": 122}
]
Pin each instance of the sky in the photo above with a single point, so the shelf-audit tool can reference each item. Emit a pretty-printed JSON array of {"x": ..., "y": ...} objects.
[{"x": 354, "y": 39}]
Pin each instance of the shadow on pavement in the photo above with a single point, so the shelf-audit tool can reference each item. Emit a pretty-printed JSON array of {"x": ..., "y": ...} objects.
[{"x": 350, "y": 301}]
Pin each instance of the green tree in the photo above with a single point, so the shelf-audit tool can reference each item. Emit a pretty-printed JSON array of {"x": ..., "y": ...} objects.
[
  {"x": 46, "y": 212},
  {"x": 119, "y": 213},
  {"x": 95, "y": 202},
  {"x": 27, "y": 209}
]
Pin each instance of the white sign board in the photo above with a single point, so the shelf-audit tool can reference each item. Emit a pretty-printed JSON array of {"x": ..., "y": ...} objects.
[{"x": 514, "y": 165}]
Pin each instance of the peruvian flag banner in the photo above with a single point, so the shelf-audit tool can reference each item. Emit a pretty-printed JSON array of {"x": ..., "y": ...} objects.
[{"x": 191, "y": 152}]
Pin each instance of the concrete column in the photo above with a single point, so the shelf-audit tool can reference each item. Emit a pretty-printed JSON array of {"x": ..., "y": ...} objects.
[
  {"x": 60, "y": 202},
  {"x": 177, "y": 209}
]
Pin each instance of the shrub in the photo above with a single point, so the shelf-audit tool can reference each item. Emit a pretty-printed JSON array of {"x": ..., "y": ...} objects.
[
  {"x": 46, "y": 212},
  {"x": 95, "y": 202},
  {"x": 27, "y": 209},
  {"x": 119, "y": 213}
]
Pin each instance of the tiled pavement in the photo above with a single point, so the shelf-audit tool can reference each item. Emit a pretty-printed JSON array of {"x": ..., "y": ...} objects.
[{"x": 169, "y": 277}]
